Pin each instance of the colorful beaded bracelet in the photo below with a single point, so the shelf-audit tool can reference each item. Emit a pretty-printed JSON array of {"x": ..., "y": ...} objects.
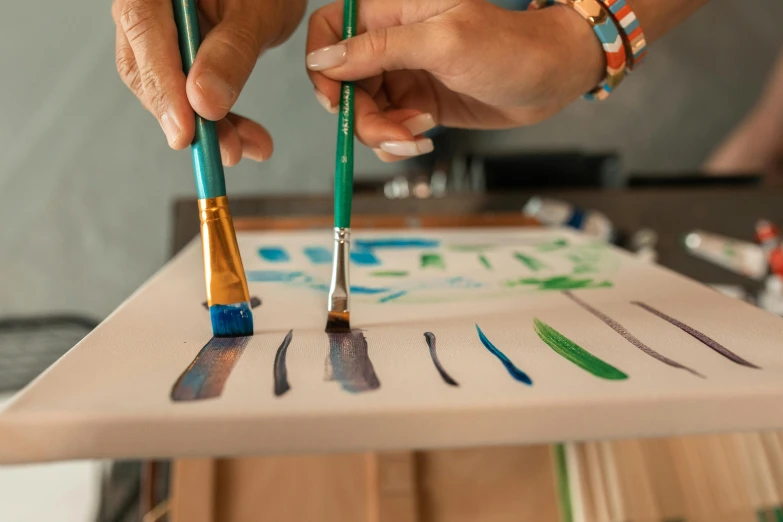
[
  {"x": 633, "y": 37},
  {"x": 604, "y": 27}
]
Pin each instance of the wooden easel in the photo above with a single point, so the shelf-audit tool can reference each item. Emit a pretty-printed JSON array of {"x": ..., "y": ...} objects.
[{"x": 488, "y": 484}]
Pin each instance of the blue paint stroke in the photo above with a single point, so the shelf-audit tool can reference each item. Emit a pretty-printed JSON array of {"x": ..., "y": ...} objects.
[
  {"x": 372, "y": 244},
  {"x": 274, "y": 254},
  {"x": 393, "y": 296},
  {"x": 364, "y": 258},
  {"x": 207, "y": 374},
  {"x": 272, "y": 276},
  {"x": 367, "y": 290},
  {"x": 515, "y": 372},
  {"x": 318, "y": 255}
]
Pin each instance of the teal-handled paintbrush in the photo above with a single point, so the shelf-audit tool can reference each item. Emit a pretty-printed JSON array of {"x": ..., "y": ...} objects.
[
  {"x": 339, "y": 319},
  {"x": 227, "y": 294}
]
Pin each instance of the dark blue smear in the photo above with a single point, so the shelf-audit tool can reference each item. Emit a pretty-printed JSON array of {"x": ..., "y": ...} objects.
[{"x": 515, "y": 372}]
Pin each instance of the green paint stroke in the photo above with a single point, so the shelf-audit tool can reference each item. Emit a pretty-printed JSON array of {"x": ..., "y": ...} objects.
[
  {"x": 389, "y": 273},
  {"x": 429, "y": 260},
  {"x": 778, "y": 514},
  {"x": 484, "y": 261},
  {"x": 559, "y": 283},
  {"x": 563, "y": 491},
  {"x": 549, "y": 246},
  {"x": 531, "y": 262},
  {"x": 576, "y": 354}
]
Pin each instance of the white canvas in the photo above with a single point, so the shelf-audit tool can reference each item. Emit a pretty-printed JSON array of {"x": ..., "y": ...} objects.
[{"x": 113, "y": 395}]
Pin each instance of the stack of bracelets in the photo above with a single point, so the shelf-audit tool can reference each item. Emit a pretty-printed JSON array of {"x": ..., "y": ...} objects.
[{"x": 620, "y": 34}]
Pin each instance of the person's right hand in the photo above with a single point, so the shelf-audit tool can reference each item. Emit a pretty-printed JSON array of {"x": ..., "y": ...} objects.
[{"x": 236, "y": 33}]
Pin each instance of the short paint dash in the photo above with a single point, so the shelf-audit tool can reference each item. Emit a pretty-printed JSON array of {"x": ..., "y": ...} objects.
[
  {"x": 485, "y": 262},
  {"x": 395, "y": 243},
  {"x": 515, "y": 372},
  {"x": 318, "y": 255},
  {"x": 432, "y": 260},
  {"x": 531, "y": 262},
  {"x": 349, "y": 364},
  {"x": 551, "y": 246},
  {"x": 707, "y": 341},
  {"x": 274, "y": 254},
  {"x": 392, "y": 297},
  {"x": 571, "y": 351},
  {"x": 364, "y": 258},
  {"x": 431, "y": 342},
  {"x": 272, "y": 276},
  {"x": 366, "y": 290},
  {"x": 628, "y": 336},
  {"x": 559, "y": 283},
  {"x": 206, "y": 376},
  {"x": 280, "y": 369},
  {"x": 389, "y": 273}
]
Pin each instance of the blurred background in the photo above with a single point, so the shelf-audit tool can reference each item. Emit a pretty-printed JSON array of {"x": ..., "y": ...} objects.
[{"x": 89, "y": 181}]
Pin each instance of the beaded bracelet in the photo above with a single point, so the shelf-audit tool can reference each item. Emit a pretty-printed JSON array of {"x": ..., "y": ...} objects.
[
  {"x": 604, "y": 27},
  {"x": 633, "y": 37}
]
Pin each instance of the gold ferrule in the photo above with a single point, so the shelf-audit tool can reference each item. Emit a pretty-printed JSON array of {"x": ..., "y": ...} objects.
[{"x": 223, "y": 270}]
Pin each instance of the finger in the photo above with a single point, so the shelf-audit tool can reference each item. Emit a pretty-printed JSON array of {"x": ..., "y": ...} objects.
[
  {"x": 230, "y": 143},
  {"x": 149, "y": 28},
  {"x": 226, "y": 58},
  {"x": 257, "y": 144}
]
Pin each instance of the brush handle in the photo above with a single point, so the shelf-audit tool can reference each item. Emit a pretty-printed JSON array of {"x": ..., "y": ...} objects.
[
  {"x": 343, "y": 170},
  {"x": 205, "y": 149}
]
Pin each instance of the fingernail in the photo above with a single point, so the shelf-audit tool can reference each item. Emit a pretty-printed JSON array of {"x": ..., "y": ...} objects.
[
  {"x": 170, "y": 128},
  {"x": 408, "y": 148},
  {"x": 252, "y": 152},
  {"x": 420, "y": 124},
  {"x": 324, "y": 101},
  {"x": 326, "y": 58},
  {"x": 216, "y": 90}
]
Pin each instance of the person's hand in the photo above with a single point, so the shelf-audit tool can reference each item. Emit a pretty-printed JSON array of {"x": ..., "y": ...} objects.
[
  {"x": 460, "y": 63},
  {"x": 235, "y": 33}
]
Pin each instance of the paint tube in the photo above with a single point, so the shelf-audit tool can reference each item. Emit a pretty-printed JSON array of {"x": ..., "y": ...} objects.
[
  {"x": 552, "y": 212},
  {"x": 740, "y": 257}
]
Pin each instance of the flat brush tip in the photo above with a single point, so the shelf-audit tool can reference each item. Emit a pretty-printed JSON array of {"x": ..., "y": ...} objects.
[
  {"x": 338, "y": 322},
  {"x": 234, "y": 320}
]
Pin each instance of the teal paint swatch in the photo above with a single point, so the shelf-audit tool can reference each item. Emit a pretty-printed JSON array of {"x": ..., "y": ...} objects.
[
  {"x": 274, "y": 254},
  {"x": 318, "y": 255},
  {"x": 395, "y": 243},
  {"x": 576, "y": 354},
  {"x": 391, "y": 297},
  {"x": 272, "y": 276},
  {"x": 515, "y": 372},
  {"x": 364, "y": 258}
]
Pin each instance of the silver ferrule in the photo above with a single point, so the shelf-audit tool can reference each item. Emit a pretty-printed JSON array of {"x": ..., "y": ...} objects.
[{"x": 338, "y": 290}]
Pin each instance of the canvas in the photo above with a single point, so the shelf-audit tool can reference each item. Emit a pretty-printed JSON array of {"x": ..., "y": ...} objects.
[{"x": 460, "y": 338}]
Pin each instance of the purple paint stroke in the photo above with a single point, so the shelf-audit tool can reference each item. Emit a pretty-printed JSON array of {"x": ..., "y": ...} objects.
[
  {"x": 207, "y": 374},
  {"x": 707, "y": 341},
  {"x": 280, "y": 370},
  {"x": 429, "y": 337},
  {"x": 628, "y": 336}
]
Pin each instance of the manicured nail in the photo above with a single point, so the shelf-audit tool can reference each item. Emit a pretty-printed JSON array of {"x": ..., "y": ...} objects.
[
  {"x": 326, "y": 58},
  {"x": 408, "y": 148},
  {"x": 324, "y": 101},
  {"x": 215, "y": 90},
  {"x": 170, "y": 128},
  {"x": 420, "y": 124}
]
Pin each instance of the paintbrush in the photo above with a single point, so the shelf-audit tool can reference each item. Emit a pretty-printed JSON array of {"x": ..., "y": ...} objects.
[
  {"x": 227, "y": 294},
  {"x": 339, "y": 319}
]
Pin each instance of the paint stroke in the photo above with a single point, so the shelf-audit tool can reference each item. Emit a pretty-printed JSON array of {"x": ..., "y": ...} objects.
[
  {"x": 559, "y": 283},
  {"x": 395, "y": 243},
  {"x": 628, "y": 336},
  {"x": 280, "y": 369},
  {"x": 318, "y": 255},
  {"x": 389, "y": 273},
  {"x": 485, "y": 262},
  {"x": 551, "y": 246},
  {"x": 349, "y": 363},
  {"x": 568, "y": 349},
  {"x": 274, "y": 254},
  {"x": 431, "y": 341},
  {"x": 272, "y": 276},
  {"x": 432, "y": 260},
  {"x": 515, "y": 372},
  {"x": 392, "y": 297},
  {"x": 207, "y": 374},
  {"x": 366, "y": 290},
  {"x": 707, "y": 341},
  {"x": 531, "y": 262},
  {"x": 364, "y": 258}
]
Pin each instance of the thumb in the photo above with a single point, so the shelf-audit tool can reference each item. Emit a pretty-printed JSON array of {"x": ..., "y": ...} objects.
[
  {"x": 223, "y": 64},
  {"x": 370, "y": 54}
]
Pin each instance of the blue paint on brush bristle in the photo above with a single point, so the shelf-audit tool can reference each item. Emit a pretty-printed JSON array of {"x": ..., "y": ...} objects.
[{"x": 233, "y": 320}]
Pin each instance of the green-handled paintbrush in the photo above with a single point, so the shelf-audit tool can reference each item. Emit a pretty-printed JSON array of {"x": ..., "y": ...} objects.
[
  {"x": 339, "y": 319},
  {"x": 227, "y": 293}
]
